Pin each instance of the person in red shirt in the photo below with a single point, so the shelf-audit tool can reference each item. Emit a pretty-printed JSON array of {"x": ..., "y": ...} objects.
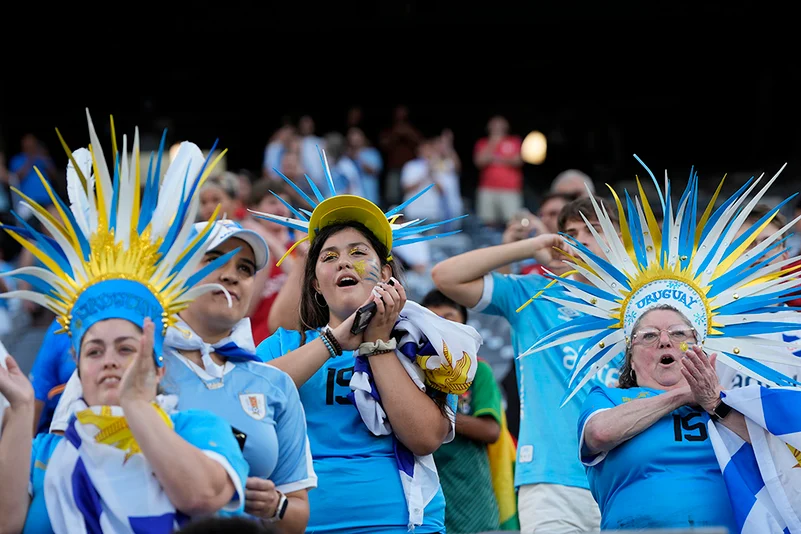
[{"x": 500, "y": 183}]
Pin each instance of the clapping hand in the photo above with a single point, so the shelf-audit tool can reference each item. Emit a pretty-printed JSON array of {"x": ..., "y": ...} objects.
[
  {"x": 702, "y": 377},
  {"x": 15, "y": 386}
]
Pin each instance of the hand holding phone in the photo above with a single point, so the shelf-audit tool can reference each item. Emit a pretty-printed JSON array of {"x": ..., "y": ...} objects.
[{"x": 364, "y": 315}]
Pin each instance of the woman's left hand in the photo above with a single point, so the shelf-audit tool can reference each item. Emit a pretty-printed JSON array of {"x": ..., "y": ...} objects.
[
  {"x": 261, "y": 497},
  {"x": 140, "y": 381},
  {"x": 702, "y": 378},
  {"x": 390, "y": 300}
]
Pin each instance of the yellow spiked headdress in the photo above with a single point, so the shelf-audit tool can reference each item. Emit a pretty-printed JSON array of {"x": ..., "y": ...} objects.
[
  {"x": 702, "y": 267},
  {"x": 123, "y": 248}
]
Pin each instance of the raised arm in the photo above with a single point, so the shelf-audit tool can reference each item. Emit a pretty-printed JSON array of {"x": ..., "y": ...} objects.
[
  {"x": 462, "y": 277},
  {"x": 194, "y": 483},
  {"x": 609, "y": 428},
  {"x": 15, "y": 447}
]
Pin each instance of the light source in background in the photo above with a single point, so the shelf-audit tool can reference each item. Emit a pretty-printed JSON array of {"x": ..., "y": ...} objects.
[{"x": 534, "y": 148}]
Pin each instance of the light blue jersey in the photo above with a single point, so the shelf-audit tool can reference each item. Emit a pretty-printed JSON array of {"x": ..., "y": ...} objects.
[
  {"x": 546, "y": 450},
  {"x": 261, "y": 403},
  {"x": 359, "y": 486},
  {"x": 204, "y": 430},
  {"x": 664, "y": 477}
]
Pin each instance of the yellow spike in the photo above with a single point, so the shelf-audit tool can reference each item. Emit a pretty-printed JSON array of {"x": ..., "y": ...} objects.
[
  {"x": 577, "y": 261},
  {"x": 653, "y": 227},
  {"x": 72, "y": 160},
  {"x": 210, "y": 167},
  {"x": 66, "y": 228},
  {"x": 41, "y": 256},
  {"x": 201, "y": 235},
  {"x": 289, "y": 251},
  {"x": 543, "y": 290},
  {"x": 707, "y": 214},
  {"x": 727, "y": 262},
  {"x": 136, "y": 194},
  {"x": 625, "y": 233},
  {"x": 102, "y": 216},
  {"x": 113, "y": 139},
  {"x": 39, "y": 209}
]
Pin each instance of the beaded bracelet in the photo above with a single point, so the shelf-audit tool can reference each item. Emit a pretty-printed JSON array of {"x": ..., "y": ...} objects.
[
  {"x": 327, "y": 344},
  {"x": 333, "y": 340}
]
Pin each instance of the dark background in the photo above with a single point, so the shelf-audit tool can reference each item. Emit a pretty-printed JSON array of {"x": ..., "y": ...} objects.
[{"x": 714, "y": 85}]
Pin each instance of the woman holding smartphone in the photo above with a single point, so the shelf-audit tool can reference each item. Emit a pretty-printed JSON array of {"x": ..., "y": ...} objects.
[{"x": 377, "y": 404}]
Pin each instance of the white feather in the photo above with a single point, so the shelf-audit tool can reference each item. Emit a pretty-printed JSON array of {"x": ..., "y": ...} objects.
[
  {"x": 76, "y": 261},
  {"x": 102, "y": 168},
  {"x": 78, "y": 196},
  {"x": 174, "y": 188}
]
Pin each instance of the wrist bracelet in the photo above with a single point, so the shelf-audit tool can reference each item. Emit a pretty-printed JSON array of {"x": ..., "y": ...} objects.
[
  {"x": 379, "y": 347},
  {"x": 331, "y": 352},
  {"x": 333, "y": 340}
]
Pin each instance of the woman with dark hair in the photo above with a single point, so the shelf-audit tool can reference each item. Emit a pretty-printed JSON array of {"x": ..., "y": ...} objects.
[{"x": 377, "y": 374}]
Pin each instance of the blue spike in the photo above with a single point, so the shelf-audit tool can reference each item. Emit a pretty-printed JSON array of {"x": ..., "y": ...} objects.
[
  {"x": 400, "y": 207},
  {"x": 635, "y": 229},
  {"x": 747, "y": 304},
  {"x": 716, "y": 214},
  {"x": 687, "y": 228},
  {"x": 410, "y": 240},
  {"x": 297, "y": 189},
  {"x": 305, "y": 212},
  {"x": 605, "y": 265},
  {"x": 587, "y": 288},
  {"x": 757, "y": 328},
  {"x": 733, "y": 276},
  {"x": 579, "y": 324},
  {"x": 658, "y": 188},
  {"x": 54, "y": 252},
  {"x": 189, "y": 253},
  {"x": 148, "y": 203},
  {"x": 667, "y": 209},
  {"x": 755, "y": 226},
  {"x": 210, "y": 268},
  {"x": 328, "y": 177},
  {"x": 589, "y": 343},
  {"x": 418, "y": 229},
  {"x": 37, "y": 283},
  {"x": 178, "y": 222},
  {"x": 161, "y": 153},
  {"x": 34, "y": 236},
  {"x": 115, "y": 196},
  {"x": 205, "y": 162},
  {"x": 293, "y": 210},
  {"x": 763, "y": 370},
  {"x": 314, "y": 189},
  {"x": 288, "y": 224},
  {"x": 416, "y": 222}
]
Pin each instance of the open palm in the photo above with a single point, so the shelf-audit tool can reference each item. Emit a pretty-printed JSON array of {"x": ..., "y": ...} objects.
[{"x": 14, "y": 385}]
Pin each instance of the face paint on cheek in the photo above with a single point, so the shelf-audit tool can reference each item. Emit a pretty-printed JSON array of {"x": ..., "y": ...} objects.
[
  {"x": 373, "y": 275},
  {"x": 360, "y": 267}
]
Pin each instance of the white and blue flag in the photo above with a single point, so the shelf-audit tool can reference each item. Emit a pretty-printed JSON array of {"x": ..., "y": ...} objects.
[{"x": 763, "y": 477}]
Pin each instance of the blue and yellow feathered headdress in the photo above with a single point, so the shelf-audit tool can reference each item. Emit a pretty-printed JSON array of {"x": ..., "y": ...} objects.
[
  {"x": 121, "y": 248},
  {"x": 342, "y": 208},
  {"x": 697, "y": 265}
]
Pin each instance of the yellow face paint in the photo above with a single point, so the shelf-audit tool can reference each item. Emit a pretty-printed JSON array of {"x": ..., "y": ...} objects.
[
  {"x": 330, "y": 254},
  {"x": 360, "y": 267}
]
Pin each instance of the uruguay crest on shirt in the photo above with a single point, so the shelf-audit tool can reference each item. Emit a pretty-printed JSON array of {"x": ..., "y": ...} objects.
[{"x": 254, "y": 405}]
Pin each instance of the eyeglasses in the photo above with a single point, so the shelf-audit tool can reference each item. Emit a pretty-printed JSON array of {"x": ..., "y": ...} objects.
[{"x": 649, "y": 336}]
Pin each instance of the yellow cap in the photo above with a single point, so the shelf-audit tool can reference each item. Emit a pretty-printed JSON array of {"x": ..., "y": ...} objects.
[{"x": 347, "y": 208}]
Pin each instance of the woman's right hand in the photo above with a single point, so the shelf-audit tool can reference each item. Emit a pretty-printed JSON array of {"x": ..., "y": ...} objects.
[{"x": 15, "y": 386}]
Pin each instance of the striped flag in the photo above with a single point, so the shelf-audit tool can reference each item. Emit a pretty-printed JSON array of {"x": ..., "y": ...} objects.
[{"x": 763, "y": 477}]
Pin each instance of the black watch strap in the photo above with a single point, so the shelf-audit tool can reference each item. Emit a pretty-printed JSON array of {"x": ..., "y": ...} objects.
[{"x": 720, "y": 411}]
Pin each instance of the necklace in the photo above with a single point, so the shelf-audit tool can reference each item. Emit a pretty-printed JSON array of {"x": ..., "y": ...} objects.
[{"x": 214, "y": 385}]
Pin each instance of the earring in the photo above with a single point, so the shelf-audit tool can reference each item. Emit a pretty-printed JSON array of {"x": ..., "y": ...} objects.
[{"x": 317, "y": 296}]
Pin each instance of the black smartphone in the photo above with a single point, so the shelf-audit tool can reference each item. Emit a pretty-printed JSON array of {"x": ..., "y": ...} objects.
[
  {"x": 241, "y": 437},
  {"x": 364, "y": 315}
]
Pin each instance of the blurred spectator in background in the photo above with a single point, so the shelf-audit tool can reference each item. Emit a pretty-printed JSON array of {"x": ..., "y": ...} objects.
[
  {"x": 344, "y": 171},
  {"x": 500, "y": 182},
  {"x": 34, "y": 154},
  {"x": 399, "y": 143},
  {"x": 281, "y": 141},
  {"x": 222, "y": 190},
  {"x": 573, "y": 182},
  {"x": 368, "y": 162},
  {"x": 309, "y": 144}
]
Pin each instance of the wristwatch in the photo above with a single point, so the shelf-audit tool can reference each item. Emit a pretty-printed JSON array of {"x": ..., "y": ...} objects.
[
  {"x": 280, "y": 510},
  {"x": 721, "y": 410}
]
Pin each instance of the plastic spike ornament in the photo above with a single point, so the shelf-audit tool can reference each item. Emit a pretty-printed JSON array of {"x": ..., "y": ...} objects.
[
  {"x": 115, "y": 242},
  {"x": 699, "y": 266},
  {"x": 335, "y": 208}
]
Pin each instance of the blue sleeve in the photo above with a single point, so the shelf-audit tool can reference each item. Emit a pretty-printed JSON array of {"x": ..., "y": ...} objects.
[
  {"x": 44, "y": 373},
  {"x": 213, "y": 435},
  {"x": 278, "y": 344},
  {"x": 597, "y": 399},
  {"x": 372, "y": 157},
  {"x": 41, "y": 451},
  {"x": 294, "y": 470},
  {"x": 509, "y": 292}
]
